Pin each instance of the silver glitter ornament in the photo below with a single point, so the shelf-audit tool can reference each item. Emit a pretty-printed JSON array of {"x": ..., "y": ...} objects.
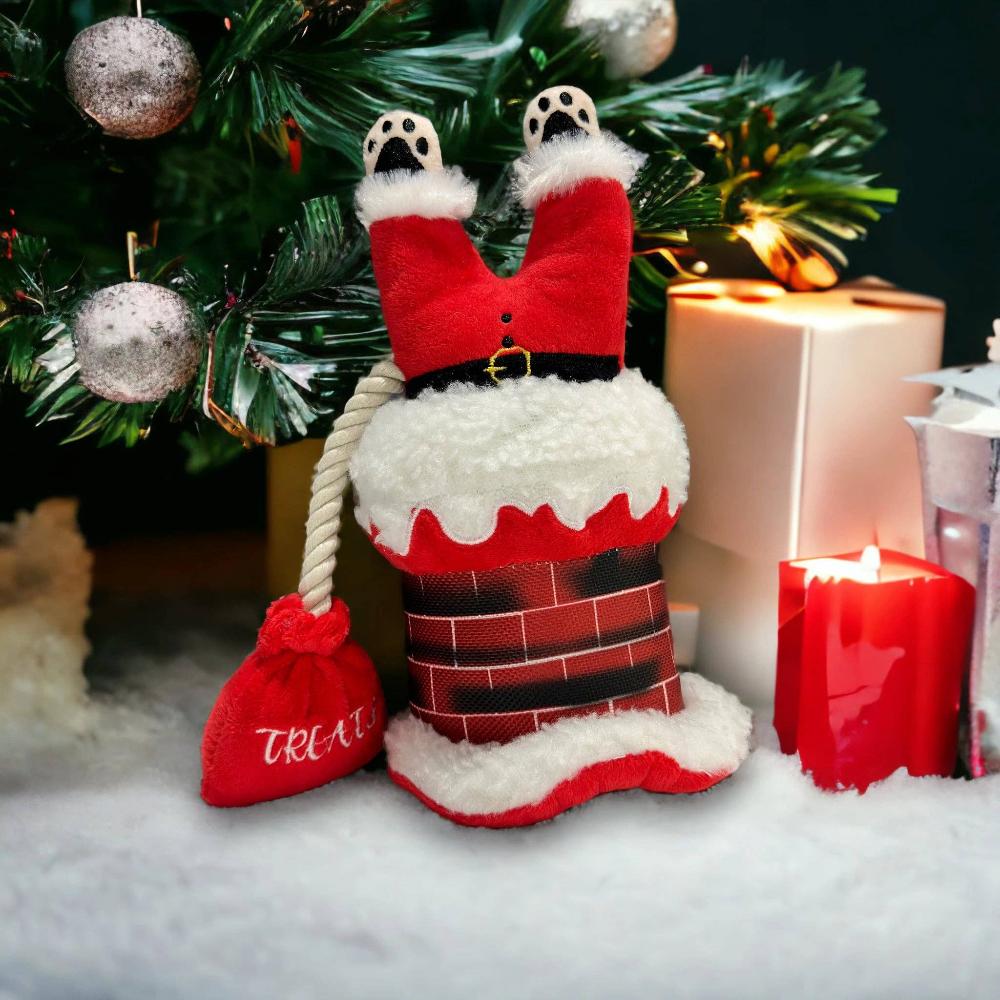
[
  {"x": 137, "y": 342},
  {"x": 634, "y": 36},
  {"x": 133, "y": 77}
]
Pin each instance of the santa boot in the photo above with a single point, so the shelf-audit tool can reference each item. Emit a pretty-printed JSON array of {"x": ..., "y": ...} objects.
[{"x": 522, "y": 485}]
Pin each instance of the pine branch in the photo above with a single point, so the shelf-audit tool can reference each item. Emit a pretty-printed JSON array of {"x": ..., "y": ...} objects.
[
  {"x": 285, "y": 360},
  {"x": 295, "y": 321},
  {"x": 334, "y": 85},
  {"x": 790, "y": 148}
]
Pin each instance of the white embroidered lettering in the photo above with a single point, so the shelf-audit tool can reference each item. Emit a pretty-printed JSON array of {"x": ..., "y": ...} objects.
[
  {"x": 296, "y": 745},
  {"x": 270, "y": 757},
  {"x": 295, "y": 748}
]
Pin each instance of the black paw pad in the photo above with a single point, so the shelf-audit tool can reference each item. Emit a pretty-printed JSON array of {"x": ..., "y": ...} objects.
[
  {"x": 401, "y": 140},
  {"x": 558, "y": 111}
]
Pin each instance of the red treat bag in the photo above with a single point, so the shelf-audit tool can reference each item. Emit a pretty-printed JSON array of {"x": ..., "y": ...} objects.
[{"x": 306, "y": 706}]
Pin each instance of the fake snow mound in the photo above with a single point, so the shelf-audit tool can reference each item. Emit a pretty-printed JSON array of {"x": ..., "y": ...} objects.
[
  {"x": 44, "y": 594},
  {"x": 117, "y": 882}
]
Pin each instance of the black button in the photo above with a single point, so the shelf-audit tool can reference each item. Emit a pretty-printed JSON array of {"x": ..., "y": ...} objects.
[
  {"x": 508, "y": 341},
  {"x": 506, "y": 318}
]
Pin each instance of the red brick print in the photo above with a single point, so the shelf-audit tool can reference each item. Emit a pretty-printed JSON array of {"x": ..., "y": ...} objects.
[
  {"x": 554, "y": 714},
  {"x": 624, "y": 616},
  {"x": 421, "y": 690},
  {"x": 657, "y": 596},
  {"x": 566, "y": 575},
  {"x": 451, "y": 726},
  {"x": 488, "y": 728},
  {"x": 560, "y": 630},
  {"x": 447, "y": 681},
  {"x": 532, "y": 673},
  {"x": 431, "y": 639},
  {"x": 492, "y": 657},
  {"x": 674, "y": 695},
  {"x": 496, "y": 639},
  {"x": 442, "y": 589},
  {"x": 530, "y": 585},
  {"x": 658, "y": 649},
  {"x": 653, "y": 698},
  {"x": 597, "y": 661}
]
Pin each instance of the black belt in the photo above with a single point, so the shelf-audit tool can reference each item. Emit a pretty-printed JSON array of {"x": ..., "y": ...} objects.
[{"x": 516, "y": 362}]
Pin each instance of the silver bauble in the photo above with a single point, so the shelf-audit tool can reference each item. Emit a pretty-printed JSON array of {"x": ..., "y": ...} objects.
[
  {"x": 634, "y": 36},
  {"x": 133, "y": 77},
  {"x": 137, "y": 342}
]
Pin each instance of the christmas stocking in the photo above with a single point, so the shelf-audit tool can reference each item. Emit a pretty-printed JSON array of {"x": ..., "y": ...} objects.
[{"x": 522, "y": 483}]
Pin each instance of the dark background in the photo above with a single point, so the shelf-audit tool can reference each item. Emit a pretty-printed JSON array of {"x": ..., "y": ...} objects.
[{"x": 931, "y": 65}]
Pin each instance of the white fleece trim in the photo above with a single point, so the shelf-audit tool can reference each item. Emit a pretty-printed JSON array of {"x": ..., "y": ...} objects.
[
  {"x": 431, "y": 194},
  {"x": 711, "y": 735},
  {"x": 466, "y": 452},
  {"x": 560, "y": 165}
]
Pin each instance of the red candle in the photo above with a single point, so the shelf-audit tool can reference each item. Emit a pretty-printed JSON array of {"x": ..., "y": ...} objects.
[{"x": 872, "y": 649}]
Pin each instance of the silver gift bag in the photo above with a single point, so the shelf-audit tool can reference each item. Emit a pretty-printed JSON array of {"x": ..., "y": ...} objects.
[{"x": 959, "y": 447}]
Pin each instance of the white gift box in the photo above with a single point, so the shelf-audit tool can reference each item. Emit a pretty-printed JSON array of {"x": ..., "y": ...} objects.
[{"x": 794, "y": 404}]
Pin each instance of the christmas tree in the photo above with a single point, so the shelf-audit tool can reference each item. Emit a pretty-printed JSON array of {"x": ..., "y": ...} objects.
[{"x": 180, "y": 242}]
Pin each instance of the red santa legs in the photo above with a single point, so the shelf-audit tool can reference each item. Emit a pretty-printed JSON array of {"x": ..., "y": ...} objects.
[{"x": 522, "y": 484}]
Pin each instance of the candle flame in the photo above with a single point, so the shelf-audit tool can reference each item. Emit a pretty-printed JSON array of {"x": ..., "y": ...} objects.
[
  {"x": 871, "y": 558},
  {"x": 867, "y": 569}
]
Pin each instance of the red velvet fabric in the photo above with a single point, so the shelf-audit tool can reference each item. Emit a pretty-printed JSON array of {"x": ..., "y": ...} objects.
[
  {"x": 304, "y": 708},
  {"x": 443, "y": 305},
  {"x": 537, "y": 537},
  {"x": 652, "y": 771}
]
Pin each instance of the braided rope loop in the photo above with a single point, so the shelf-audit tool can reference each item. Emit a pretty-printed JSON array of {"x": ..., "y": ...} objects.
[{"x": 382, "y": 383}]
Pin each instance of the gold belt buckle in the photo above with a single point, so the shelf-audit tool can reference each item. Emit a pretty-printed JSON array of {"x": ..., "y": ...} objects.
[{"x": 493, "y": 369}]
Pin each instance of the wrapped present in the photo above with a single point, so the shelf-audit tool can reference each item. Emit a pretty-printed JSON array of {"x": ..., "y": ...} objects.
[
  {"x": 871, "y": 655},
  {"x": 794, "y": 406},
  {"x": 959, "y": 446}
]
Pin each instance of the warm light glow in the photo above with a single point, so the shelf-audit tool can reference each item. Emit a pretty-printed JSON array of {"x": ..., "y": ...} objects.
[
  {"x": 740, "y": 289},
  {"x": 788, "y": 258},
  {"x": 865, "y": 570},
  {"x": 763, "y": 235},
  {"x": 871, "y": 558}
]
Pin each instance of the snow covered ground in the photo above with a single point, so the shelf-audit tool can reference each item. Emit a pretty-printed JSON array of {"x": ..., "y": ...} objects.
[{"x": 115, "y": 880}]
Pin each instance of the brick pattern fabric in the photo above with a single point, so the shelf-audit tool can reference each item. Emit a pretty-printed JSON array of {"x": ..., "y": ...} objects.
[{"x": 495, "y": 654}]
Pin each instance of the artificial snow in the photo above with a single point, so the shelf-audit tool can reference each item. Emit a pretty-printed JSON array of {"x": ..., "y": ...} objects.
[
  {"x": 116, "y": 881},
  {"x": 44, "y": 594}
]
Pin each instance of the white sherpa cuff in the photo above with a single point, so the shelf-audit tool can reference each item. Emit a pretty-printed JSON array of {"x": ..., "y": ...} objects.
[
  {"x": 430, "y": 194},
  {"x": 560, "y": 165},
  {"x": 710, "y": 736}
]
